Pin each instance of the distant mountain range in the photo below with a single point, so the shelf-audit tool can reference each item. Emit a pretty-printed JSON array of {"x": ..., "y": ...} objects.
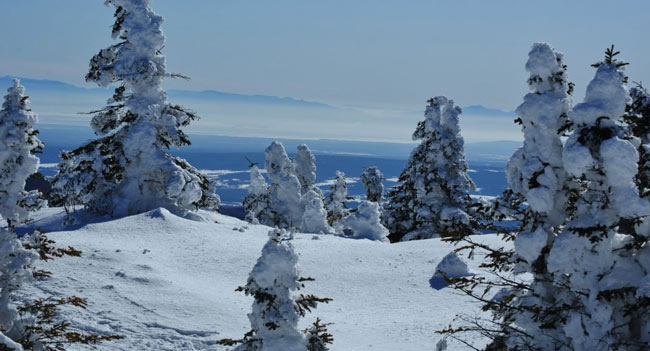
[
  {"x": 41, "y": 86},
  {"x": 54, "y": 86}
]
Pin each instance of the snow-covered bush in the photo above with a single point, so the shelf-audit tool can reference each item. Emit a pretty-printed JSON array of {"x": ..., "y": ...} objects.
[
  {"x": 284, "y": 194},
  {"x": 18, "y": 146},
  {"x": 335, "y": 200},
  {"x": 128, "y": 170},
  {"x": 365, "y": 223},
  {"x": 314, "y": 219},
  {"x": 276, "y": 310},
  {"x": 372, "y": 179},
  {"x": 256, "y": 203},
  {"x": 435, "y": 177}
]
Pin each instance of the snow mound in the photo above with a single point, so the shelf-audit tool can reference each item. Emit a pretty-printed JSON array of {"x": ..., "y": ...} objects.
[{"x": 451, "y": 266}]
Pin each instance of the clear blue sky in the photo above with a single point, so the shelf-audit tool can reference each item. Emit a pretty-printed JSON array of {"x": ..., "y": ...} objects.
[{"x": 384, "y": 53}]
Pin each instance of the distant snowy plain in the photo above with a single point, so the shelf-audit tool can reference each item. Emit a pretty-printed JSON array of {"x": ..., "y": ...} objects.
[{"x": 168, "y": 283}]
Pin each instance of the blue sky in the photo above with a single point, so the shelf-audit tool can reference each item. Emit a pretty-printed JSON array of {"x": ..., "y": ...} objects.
[{"x": 348, "y": 52}]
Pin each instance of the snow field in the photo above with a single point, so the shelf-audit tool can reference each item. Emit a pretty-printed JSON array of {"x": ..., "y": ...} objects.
[{"x": 168, "y": 283}]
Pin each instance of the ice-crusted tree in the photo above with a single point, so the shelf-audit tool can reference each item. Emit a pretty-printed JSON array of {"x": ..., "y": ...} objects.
[
  {"x": 637, "y": 118},
  {"x": 305, "y": 167},
  {"x": 372, "y": 179},
  {"x": 256, "y": 203},
  {"x": 590, "y": 286},
  {"x": 18, "y": 148},
  {"x": 314, "y": 219},
  {"x": 284, "y": 192},
  {"x": 129, "y": 170},
  {"x": 273, "y": 283},
  {"x": 432, "y": 196},
  {"x": 536, "y": 174},
  {"x": 606, "y": 269},
  {"x": 365, "y": 223},
  {"x": 335, "y": 200},
  {"x": 15, "y": 263}
]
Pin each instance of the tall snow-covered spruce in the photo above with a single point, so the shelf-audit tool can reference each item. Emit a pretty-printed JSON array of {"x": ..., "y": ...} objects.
[
  {"x": 605, "y": 267},
  {"x": 128, "y": 170},
  {"x": 305, "y": 167},
  {"x": 286, "y": 210},
  {"x": 372, "y": 179},
  {"x": 256, "y": 203},
  {"x": 276, "y": 310},
  {"x": 335, "y": 200},
  {"x": 433, "y": 194},
  {"x": 536, "y": 173},
  {"x": 18, "y": 146}
]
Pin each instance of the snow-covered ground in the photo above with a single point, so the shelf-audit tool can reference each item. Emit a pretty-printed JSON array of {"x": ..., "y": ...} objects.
[{"x": 168, "y": 283}]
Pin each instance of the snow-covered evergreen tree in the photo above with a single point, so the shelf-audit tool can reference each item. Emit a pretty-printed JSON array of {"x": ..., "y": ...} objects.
[
  {"x": 335, "y": 200},
  {"x": 276, "y": 310},
  {"x": 314, "y": 219},
  {"x": 604, "y": 269},
  {"x": 18, "y": 146},
  {"x": 256, "y": 203},
  {"x": 284, "y": 193},
  {"x": 365, "y": 223},
  {"x": 15, "y": 261},
  {"x": 372, "y": 179},
  {"x": 433, "y": 194},
  {"x": 536, "y": 173},
  {"x": 129, "y": 170},
  {"x": 638, "y": 122},
  {"x": 305, "y": 167}
]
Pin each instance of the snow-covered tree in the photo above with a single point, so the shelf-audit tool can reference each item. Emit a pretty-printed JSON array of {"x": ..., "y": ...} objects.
[
  {"x": 536, "y": 173},
  {"x": 18, "y": 146},
  {"x": 128, "y": 170},
  {"x": 638, "y": 122},
  {"x": 603, "y": 268},
  {"x": 314, "y": 219},
  {"x": 335, "y": 200},
  {"x": 305, "y": 167},
  {"x": 256, "y": 203},
  {"x": 15, "y": 262},
  {"x": 433, "y": 194},
  {"x": 365, "y": 223},
  {"x": 372, "y": 179},
  {"x": 284, "y": 193},
  {"x": 276, "y": 310}
]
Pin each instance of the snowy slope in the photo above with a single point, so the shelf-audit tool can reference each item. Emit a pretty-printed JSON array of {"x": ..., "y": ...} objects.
[{"x": 168, "y": 283}]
